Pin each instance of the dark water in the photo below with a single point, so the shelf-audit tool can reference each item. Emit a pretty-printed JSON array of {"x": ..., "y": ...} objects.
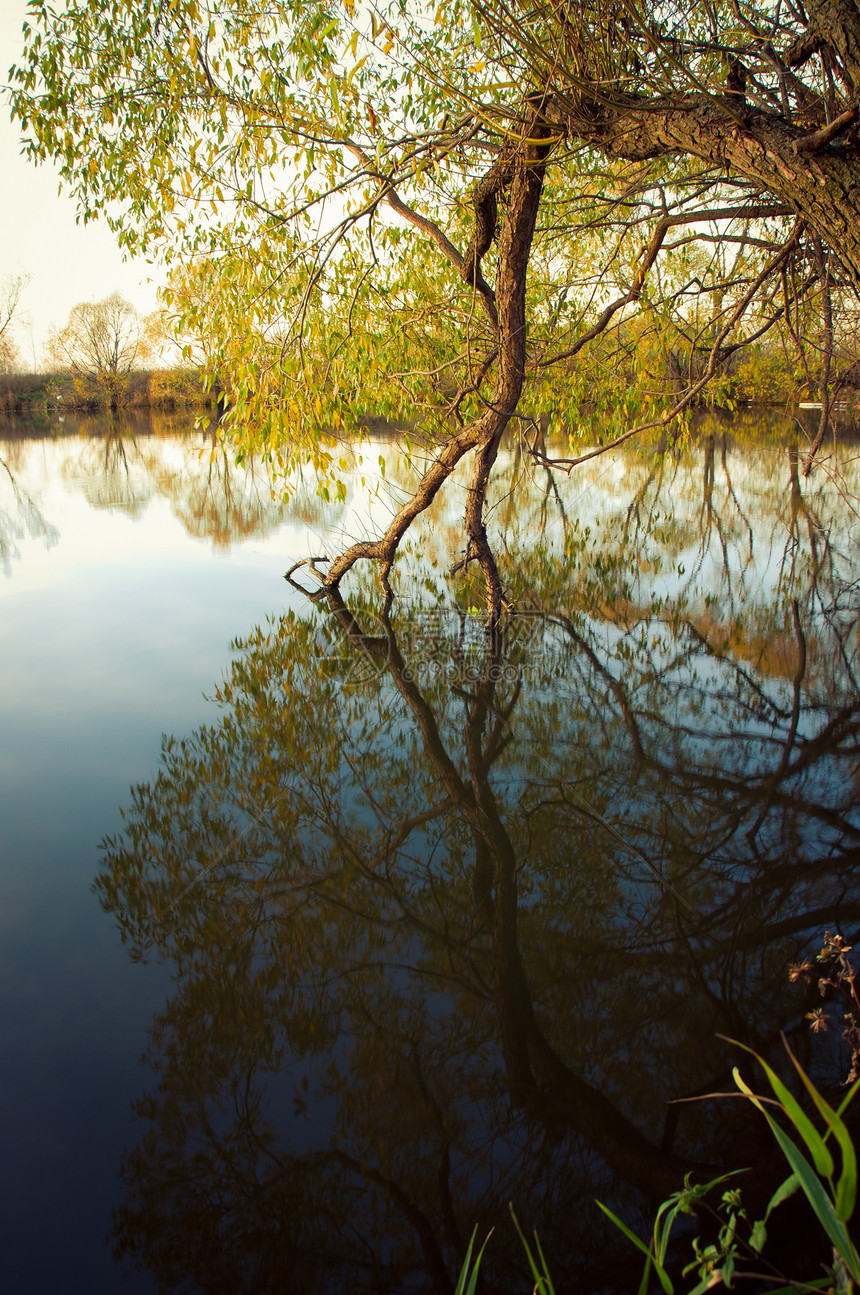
[{"x": 407, "y": 924}]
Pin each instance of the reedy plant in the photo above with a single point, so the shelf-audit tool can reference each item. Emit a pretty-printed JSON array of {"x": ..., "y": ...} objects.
[
  {"x": 468, "y": 1279},
  {"x": 835, "y": 977},
  {"x": 830, "y": 1189}
]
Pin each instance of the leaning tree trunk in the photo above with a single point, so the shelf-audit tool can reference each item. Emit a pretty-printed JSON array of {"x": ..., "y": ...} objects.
[
  {"x": 813, "y": 168},
  {"x": 514, "y": 250},
  {"x": 522, "y": 174},
  {"x": 822, "y": 187}
]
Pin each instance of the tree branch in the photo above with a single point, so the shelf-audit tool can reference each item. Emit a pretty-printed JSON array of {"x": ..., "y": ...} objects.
[
  {"x": 717, "y": 356},
  {"x": 431, "y": 229},
  {"x": 820, "y": 138}
]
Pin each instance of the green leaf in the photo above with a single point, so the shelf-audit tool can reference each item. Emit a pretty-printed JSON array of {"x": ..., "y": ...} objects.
[
  {"x": 810, "y": 1184},
  {"x": 795, "y": 1112},
  {"x": 706, "y": 1284},
  {"x": 782, "y": 1193},
  {"x": 728, "y": 1270},
  {"x": 662, "y": 1275},
  {"x": 758, "y": 1236}
]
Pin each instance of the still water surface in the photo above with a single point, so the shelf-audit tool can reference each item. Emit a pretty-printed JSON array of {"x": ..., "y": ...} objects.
[{"x": 327, "y": 934}]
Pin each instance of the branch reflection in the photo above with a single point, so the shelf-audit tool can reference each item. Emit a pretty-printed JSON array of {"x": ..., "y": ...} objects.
[{"x": 423, "y": 964}]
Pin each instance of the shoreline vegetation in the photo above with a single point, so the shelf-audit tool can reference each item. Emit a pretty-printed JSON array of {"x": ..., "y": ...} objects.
[{"x": 48, "y": 395}]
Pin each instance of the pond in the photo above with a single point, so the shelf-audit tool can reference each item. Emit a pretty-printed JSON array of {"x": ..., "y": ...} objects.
[{"x": 330, "y": 932}]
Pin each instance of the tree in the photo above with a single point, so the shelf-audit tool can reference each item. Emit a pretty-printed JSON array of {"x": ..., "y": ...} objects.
[
  {"x": 343, "y": 176},
  {"x": 11, "y": 289},
  {"x": 100, "y": 345}
]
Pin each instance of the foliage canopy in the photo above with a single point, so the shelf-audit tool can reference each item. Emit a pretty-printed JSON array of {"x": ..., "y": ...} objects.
[{"x": 397, "y": 206}]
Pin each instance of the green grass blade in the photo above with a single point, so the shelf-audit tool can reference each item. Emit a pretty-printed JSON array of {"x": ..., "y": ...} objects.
[
  {"x": 817, "y": 1197},
  {"x": 846, "y": 1189},
  {"x": 662, "y": 1275},
  {"x": 468, "y": 1279},
  {"x": 550, "y": 1289},
  {"x": 810, "y": 1184},
  {"x": 543, "y": 1281},
  {"x": 847, "y": 1098},
  {"x": 821, "y": 1157}
]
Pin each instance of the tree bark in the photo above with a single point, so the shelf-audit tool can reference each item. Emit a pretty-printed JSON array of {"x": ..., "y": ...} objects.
[{"x": 824, "y": 188}]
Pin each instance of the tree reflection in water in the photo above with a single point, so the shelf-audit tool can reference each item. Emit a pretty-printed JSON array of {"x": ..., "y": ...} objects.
[
  {"x": 209, "y": 494},
  {"x": 20, "y": 515},
  {"x": 423, "y": 965}
]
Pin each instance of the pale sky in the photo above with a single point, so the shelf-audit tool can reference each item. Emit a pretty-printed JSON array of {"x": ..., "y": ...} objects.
[{"x": 38, "y": 233}]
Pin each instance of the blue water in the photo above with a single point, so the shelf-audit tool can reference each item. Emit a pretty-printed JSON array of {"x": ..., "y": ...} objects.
[
  {"x": 128, "y": 567},
  {"x": 110, "y": 634}
]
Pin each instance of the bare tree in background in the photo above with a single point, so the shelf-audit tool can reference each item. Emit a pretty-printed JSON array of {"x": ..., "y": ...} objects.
[
  {"x": 100, "y": 345},
  {"x": 11, "y": 290}
]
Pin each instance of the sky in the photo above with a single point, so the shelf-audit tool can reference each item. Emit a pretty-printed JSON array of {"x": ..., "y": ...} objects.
[{"x": 39, "y": 236}]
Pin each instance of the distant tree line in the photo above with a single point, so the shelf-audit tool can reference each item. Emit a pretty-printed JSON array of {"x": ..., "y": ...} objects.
[
  {"x": 106, "y": 357},
  {"x": 49, "y": 394}
]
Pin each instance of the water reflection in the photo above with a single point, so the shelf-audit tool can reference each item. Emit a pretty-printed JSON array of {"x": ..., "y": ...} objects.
[
  {"x": 123, "y": 465},
  {"x": 709, "y": 517},
  {"x": 216, "y": 500},
  {"x": 20, "y": 514},
  {"x": 405, "y": 879},
  {"x": 111, "y": 471},
  {"x": 452, "y": 919}
]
